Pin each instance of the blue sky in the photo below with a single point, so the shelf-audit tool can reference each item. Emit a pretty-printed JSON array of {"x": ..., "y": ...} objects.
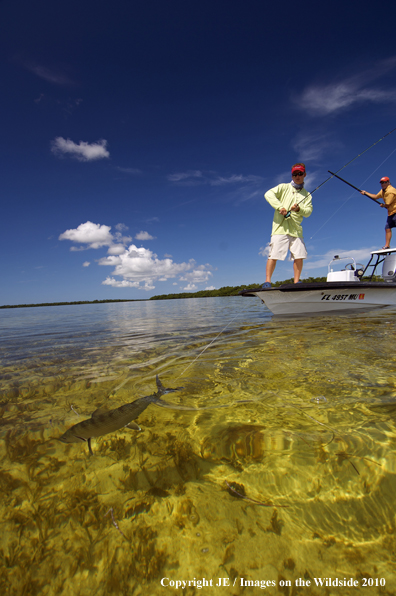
[{"x": 138, "y": 139}]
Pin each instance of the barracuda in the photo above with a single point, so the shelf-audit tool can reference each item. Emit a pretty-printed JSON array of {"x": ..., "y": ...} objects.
[{"x": 104, "y": 422}]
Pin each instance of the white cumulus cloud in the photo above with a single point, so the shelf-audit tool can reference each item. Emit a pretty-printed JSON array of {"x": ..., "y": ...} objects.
[
  {"x": 120, "y": 239},
  {"x": 198, "y": 275},
  {"x": 144, "y": 236},
  {"x": 82, "y": 151},
  {"x": 121, "y": 227},
  {"x": 116, "y": 249},
  {"x": 110, "y": 281},
  {"x": 138, "y": 266},
  {"x": 91, "y": 234},
  {"x": 265, "y": 250},
  {"x": 133, "y": 267}
]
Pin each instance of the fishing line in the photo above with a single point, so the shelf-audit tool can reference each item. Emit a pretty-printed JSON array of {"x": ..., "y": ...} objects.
[
  {"x": 125, "y": 381},
  {"x": 353, "y": 194},
  {"x": 206, "y": 347},
  {"x": 347, "y": 164}
]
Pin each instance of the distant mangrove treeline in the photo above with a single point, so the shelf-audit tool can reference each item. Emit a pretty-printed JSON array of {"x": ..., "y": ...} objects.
[
  {"x": 234, "y": 290},
  {"x": 224, "y": 291},
  {"x": 69, "y": 303},
  {"x": 228, "y": 290}
]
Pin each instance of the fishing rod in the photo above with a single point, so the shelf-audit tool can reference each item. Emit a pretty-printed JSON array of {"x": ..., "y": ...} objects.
[
  {"x": 347, "y": 164},
  {"x": 355, "y": 187},
  {"x": 288, "y": 214}
]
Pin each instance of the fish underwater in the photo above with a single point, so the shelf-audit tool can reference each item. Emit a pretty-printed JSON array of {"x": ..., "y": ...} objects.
[{"x": 103, "y": 422}]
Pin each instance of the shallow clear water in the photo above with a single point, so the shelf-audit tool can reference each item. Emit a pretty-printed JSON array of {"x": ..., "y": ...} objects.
[{"x": 298, "y": 416}]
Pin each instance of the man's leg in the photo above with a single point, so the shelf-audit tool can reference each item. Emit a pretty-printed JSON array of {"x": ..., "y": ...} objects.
[
  {"x": 297, "y": 266},
  {"x": 271, "y": 264},
  {"x": 388, "y": 236}
]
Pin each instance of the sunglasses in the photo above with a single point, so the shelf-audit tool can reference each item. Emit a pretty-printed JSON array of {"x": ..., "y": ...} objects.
[
  {"x": 381, "y": 181},
  {"x": 297, "y": 174}
]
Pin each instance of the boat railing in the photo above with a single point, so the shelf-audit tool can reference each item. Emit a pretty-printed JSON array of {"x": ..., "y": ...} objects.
[{"x": 378, "y": 256}]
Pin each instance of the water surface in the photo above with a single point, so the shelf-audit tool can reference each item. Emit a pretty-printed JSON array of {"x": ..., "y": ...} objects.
[{"x": 297, "y": 415}]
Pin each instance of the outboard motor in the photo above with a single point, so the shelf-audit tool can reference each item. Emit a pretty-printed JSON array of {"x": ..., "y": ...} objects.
[{"x": 389, "y": 268}]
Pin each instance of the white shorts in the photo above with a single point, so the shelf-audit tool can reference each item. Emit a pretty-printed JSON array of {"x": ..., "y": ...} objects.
[{"x": 281, "y": 243}]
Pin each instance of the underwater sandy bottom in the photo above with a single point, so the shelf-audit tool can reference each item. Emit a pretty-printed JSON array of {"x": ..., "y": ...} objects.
[{"x": 293, "y": 480}]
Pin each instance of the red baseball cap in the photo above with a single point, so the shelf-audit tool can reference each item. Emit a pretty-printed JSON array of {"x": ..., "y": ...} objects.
[
  {"x": 384, "y": 179},
  {"x": 298, "y": 169}
]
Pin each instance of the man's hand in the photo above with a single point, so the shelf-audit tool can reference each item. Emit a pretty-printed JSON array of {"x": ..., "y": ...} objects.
[
  {"x": 295, "y": 208},
  {"x": 283, "y": 211}
]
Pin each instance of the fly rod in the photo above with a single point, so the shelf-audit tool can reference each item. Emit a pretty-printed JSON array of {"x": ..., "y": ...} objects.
[
  {"x": 347, "y": 164},
  {"x": 355, "y": 187}
]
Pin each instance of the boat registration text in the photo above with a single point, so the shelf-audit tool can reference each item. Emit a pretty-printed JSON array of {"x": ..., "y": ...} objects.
[{"x": 343, "y": 297}]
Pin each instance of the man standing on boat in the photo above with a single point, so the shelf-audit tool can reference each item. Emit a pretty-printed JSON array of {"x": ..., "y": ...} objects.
[
  {"x": 291, "y": 203},
  {"x": 388, "y": 194}
]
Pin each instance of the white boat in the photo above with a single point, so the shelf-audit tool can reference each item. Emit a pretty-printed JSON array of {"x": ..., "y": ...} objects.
[{"x": 344, "y": 290}]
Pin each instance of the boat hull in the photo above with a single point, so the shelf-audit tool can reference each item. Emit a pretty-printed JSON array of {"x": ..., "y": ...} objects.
[{"x": 326, "y": 297}]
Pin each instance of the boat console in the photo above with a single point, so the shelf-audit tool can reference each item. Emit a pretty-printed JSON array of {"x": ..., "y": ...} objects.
[{"x": 352, "y": 271}]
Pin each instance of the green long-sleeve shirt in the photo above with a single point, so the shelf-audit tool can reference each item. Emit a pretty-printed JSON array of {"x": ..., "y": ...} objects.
[{"x": 284, "y": 195}]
